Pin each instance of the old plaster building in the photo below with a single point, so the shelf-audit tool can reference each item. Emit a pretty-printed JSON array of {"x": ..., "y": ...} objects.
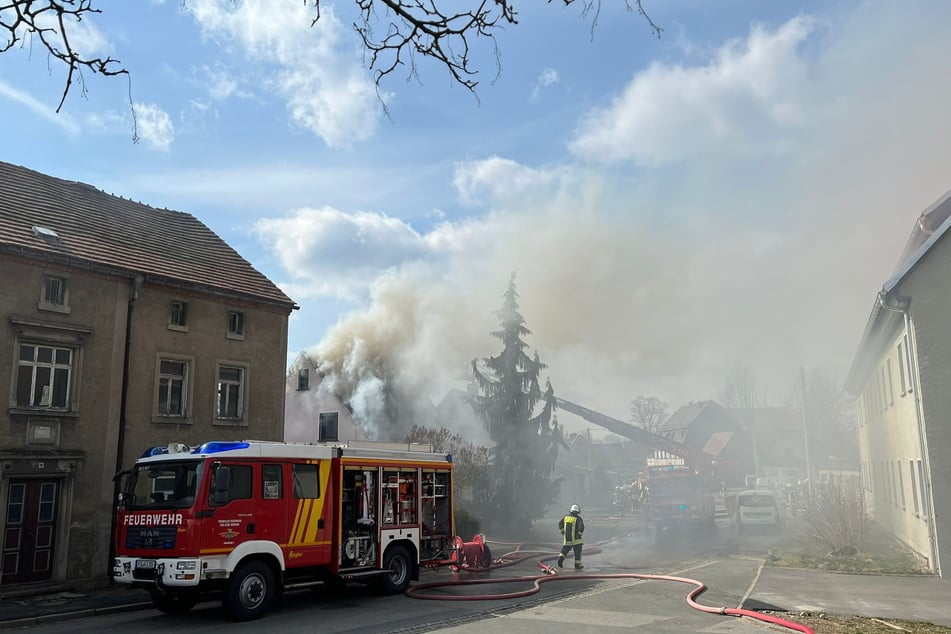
[
  {"x": 313, "y": 414},
  {"x": 901, "y": 377},
  {"x": 123, "y": 327}
]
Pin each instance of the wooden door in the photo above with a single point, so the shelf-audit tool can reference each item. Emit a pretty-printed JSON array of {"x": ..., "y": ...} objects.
[{"x": 30, "y": 530}]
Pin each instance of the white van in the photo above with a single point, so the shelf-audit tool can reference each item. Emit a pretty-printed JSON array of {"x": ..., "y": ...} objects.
[{"x": 758, "y": 507}]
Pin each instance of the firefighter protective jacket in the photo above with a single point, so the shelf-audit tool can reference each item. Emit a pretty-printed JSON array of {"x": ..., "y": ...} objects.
[{"x": 572, "y": 527}]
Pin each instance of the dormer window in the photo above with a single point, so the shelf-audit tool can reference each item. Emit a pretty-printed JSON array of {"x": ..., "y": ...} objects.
[{"x": 303, "y": 379}]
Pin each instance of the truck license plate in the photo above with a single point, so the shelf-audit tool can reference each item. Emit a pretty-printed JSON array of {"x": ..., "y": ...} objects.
[{"x": 145, "y": 563}]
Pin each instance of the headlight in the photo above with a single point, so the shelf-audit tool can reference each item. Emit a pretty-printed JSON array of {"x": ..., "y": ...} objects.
[{"x": 186, "y": 565}]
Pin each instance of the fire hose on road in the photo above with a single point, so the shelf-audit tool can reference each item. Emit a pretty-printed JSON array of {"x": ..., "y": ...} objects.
[{"x": 474, "y": 564}]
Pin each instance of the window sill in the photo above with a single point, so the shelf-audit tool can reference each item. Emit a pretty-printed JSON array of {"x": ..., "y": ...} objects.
[
  {"x": 178, "y": 328},
  {"x": 234, "y": 335},
  {"x": 230, "y": 422},
  {"x": 54, "y": 308},
  {"x": 173, "y": 420},
  {"x": 45, "y": 413}
]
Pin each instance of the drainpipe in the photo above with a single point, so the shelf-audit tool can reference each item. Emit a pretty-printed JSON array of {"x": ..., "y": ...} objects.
[
  {"x": 120, "y": 437},
  {"x": 904, "y": 307}
]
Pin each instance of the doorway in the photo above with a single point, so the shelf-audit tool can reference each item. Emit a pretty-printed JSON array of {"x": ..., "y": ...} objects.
[{"x": 30, "y": 530}]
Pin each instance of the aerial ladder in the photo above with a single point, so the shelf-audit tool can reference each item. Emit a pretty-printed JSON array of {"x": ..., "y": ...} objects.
[{"x": 698, "y": 459}]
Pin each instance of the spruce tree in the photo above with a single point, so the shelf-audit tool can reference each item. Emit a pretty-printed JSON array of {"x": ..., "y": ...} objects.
[{"x": 526, "y": 441}]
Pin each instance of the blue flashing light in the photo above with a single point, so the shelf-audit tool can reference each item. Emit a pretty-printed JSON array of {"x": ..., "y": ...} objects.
[
  {"x": 449, "y": 458},
  {"x": 219, "y": 446},
  {"x": 154, "y": 451},
  {"x": 683, "y": 507}
]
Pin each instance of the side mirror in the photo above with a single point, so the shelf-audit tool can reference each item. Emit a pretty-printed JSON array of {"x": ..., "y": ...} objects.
[{"x": 220, "y": 485}]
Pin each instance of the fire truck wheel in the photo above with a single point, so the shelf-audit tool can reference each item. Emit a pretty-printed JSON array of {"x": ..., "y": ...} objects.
[
  {"x": 174, "y": 602},
  {"x": 400, "y": 568},
  {"x": 250, "y": 592}
]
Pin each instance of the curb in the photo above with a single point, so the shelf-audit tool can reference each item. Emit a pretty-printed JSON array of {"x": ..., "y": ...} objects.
[{"x": 74, "y": 614}]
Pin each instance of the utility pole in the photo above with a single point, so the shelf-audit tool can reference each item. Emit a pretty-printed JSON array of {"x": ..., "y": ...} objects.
[{"x": 805, "y": 431}]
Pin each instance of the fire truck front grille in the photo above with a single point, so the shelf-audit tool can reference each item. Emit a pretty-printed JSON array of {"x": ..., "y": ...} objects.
[{"x": 151, "y": 537}]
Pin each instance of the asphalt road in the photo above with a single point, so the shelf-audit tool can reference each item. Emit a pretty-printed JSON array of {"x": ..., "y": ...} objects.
[{"x": 581, "y": 606}]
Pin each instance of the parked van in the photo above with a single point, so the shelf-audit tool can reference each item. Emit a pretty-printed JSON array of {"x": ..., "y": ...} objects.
[{"x": 758, "y": 507}]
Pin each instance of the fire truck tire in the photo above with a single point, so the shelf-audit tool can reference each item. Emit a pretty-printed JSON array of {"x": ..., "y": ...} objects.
[
  {"x": 250, "y": 592},
  {"x": 174, "y": 602},
  {"x": 400, "y": 567}
]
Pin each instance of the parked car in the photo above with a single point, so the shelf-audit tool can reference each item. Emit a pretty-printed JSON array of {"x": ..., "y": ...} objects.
[{"x": 758, "y": 507}]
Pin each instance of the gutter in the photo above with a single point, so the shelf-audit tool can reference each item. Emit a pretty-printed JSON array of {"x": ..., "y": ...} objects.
[{"x": 903, "y": 306}]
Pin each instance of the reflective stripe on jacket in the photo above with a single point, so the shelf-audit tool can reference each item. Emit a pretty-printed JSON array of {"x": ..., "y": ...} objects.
[{"x": 572, "y": 527}]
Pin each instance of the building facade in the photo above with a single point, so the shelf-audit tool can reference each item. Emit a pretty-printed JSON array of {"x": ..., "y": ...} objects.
[
  {"x": 900, "y": 377},
  {"x": 314, "y": 413},
  {"x": 123, "y": 327}
]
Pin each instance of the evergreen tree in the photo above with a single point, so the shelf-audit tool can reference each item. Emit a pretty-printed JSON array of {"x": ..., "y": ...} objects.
[{"x": 526, "y": 442}]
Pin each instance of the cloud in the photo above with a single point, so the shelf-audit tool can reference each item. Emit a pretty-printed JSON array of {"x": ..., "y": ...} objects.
[
  {"x": 332, "y": 253},
  {"x": 658, "y": 280},
  {"x": 62, "y": 120},
  {"x": 324, "y": 86},
  {"x": 748, "y": 100},
  {"x": 548, "y": 77},
  {"x": 495, "y": 177},
  {"x": 155, "y": 126}
]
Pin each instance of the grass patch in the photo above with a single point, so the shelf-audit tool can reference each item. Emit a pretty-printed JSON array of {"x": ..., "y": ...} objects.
[{"x": 879, "y": 553}]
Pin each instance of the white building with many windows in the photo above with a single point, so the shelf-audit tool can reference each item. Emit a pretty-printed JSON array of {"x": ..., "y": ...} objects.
[{"x": 901, "y": 378}]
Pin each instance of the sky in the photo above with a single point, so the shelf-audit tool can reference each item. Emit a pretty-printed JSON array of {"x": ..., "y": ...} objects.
[{"x": 729, "y": 194}]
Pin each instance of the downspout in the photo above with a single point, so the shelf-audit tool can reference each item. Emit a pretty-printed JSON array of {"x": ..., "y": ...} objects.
[
  {"x": 124, "y": 397},
  {"x": 903, "y": 307}
]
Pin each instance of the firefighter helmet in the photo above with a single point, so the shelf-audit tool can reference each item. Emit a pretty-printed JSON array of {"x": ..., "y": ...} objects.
[{"x": 574, "y": 509}]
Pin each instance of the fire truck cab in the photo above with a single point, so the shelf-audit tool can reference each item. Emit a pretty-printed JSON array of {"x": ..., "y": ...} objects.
[
  {"x": 679, "y": 497},
  {"x": 251, "y": 519}
]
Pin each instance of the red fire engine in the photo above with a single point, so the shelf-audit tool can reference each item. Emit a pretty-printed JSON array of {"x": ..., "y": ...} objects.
[
  {"x": 251, "y": 519},
  {"x": 678, "y": 496}
]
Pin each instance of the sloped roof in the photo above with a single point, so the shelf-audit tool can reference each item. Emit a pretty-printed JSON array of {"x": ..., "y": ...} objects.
[
  {"x": 97, "y": 230},
  {"x": 929, "y": 229},
  {"x": 683, "y": 417},
  {"x": 717, "y": 442}
]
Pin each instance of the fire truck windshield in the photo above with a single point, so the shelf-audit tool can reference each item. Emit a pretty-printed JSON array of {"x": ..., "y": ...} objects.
[
  {"x": 672, "y": 487},
  {"x": 164, "y": 485}
]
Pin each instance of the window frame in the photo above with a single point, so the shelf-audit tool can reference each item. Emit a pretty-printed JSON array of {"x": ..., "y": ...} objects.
[
  {"x": 321, "y": 437},
  {"x": 236, "y": 325},
  {"x": 173, "y": 324},
  {"x": 303, "y": 379},
  {"x": 188, "y": 385},
  {"x": 38, "y": 333},
  {"x": 51, "y": 306},
  {"x": 241, "y": 419}
]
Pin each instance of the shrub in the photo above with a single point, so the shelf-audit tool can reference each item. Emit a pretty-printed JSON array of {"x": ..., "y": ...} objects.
[{"x": 836, "y": 517}]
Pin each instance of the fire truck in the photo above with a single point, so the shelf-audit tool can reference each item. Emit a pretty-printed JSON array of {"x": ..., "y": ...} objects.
[
  {"x": 678, "y": 497},
  {"x": 251, "y": 519}
]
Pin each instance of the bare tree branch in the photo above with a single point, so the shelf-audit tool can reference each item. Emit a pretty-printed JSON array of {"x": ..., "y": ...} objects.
[{"x": 51, "y": 21}]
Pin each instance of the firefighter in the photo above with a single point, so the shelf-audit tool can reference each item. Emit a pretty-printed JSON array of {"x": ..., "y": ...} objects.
[{"x": 572, "y": 527}]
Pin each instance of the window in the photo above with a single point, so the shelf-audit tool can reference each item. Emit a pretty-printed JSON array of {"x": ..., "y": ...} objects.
[
  {"x": 272, "y": 485},
  {"x": 239, "y": 487},
  {"x": 901, "y": 370},
  {"x": 901, "y": 483},
  {"x": 914, "y": 486},
  {"x": 327, "y": 427},
  {"x": 303, "y": 379},
  {"x": 306, "y": 482},
  {"x": 230, "y": 401},
  {"x": 178, "y": 315},
  {"x": 235, "y": 324},
  {"x": 43, "y": 376},
  {"x": 911, "y": 365},
  {"x": 172, "y": 387},
  {"x": 891, "y": 386},
  {"x": 54, "y": 296}
]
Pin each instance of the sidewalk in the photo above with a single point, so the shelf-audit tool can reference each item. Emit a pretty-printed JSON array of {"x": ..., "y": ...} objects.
[{"x": 43, "y": 603}]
